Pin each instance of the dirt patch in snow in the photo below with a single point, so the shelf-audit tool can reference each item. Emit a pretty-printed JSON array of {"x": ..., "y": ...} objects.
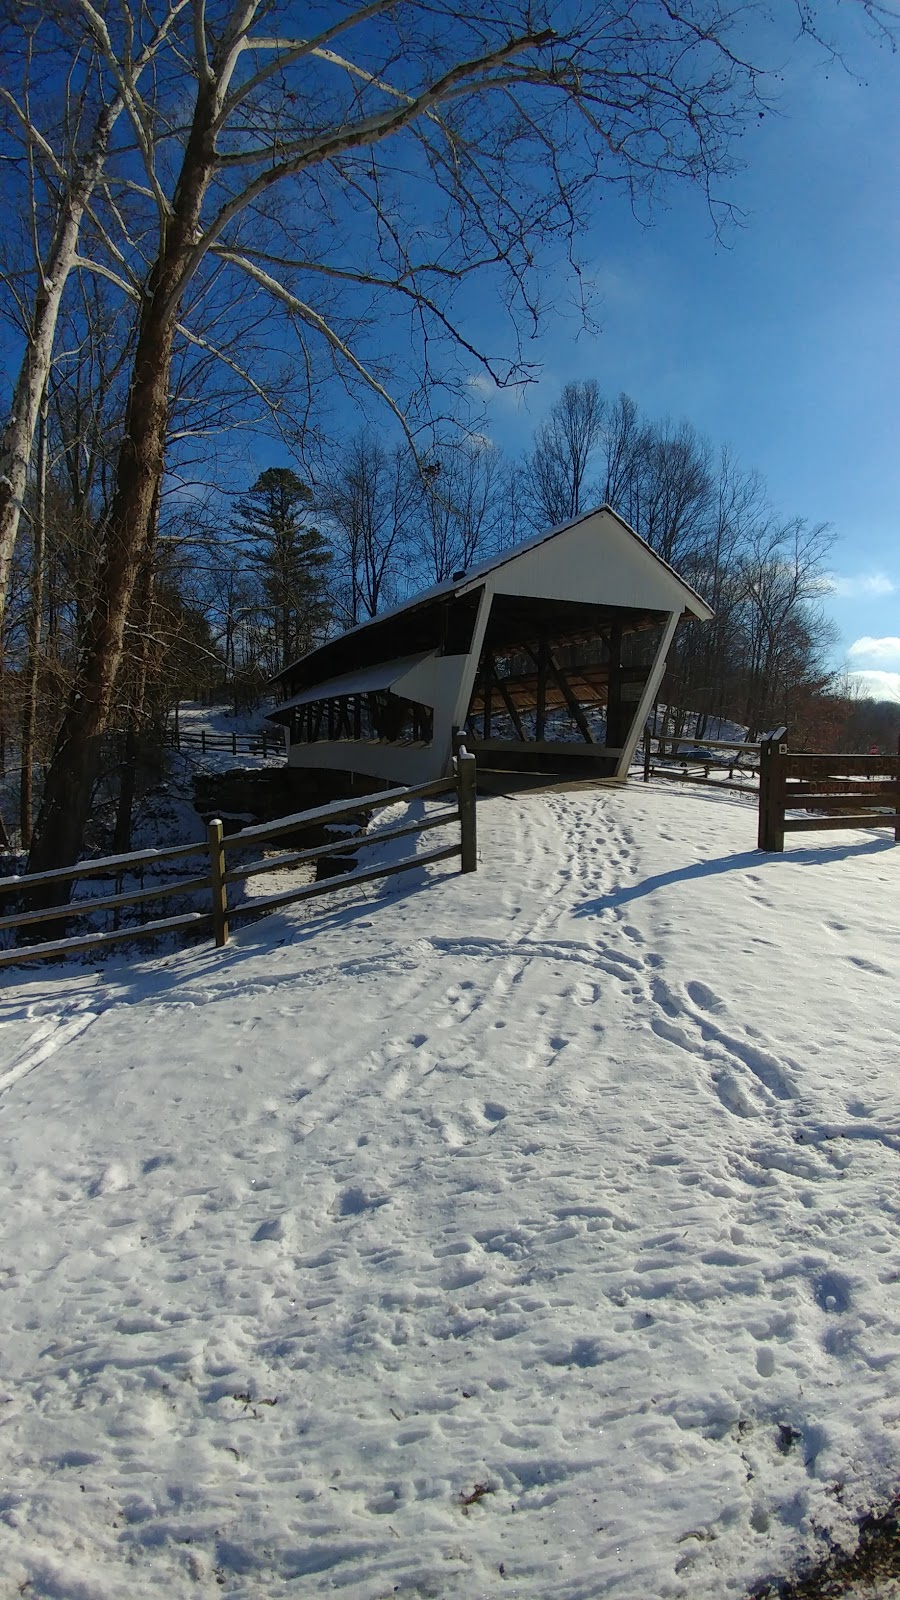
[{"x": 870, "y": 1572}]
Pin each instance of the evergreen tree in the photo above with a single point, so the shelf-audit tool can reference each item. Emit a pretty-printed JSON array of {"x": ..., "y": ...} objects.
[{"x": 291, "y": 559}]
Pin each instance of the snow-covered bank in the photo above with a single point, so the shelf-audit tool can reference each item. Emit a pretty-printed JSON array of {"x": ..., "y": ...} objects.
[{"x": 569, "y": 1188}]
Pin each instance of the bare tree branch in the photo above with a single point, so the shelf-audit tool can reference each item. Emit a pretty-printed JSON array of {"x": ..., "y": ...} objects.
[{"x": 314, "y": 320}]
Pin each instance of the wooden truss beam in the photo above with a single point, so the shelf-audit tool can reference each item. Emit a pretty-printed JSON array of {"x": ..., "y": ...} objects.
[
  {"x": 510, "y": 705},
  {"x": 618, "y": 718},
  {"x": 487, "y": 678},
  {"x": 549, "y": 661},
  {"x": 541, "y": 662}
]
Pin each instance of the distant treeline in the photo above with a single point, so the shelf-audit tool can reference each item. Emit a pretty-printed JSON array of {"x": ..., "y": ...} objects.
[{"x": 239, "y": 585}]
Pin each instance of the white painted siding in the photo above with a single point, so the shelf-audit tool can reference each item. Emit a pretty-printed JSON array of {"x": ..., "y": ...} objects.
[
  {"x": 598, "y": 562},
  {"x": 395, "y": 763}
]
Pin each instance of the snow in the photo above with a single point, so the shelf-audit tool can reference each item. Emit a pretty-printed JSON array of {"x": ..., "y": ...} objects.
[
  {"x": 222, "y": 722},
  {"x": 567, "y": 1189},
  {"x": 195, "y": 718}
]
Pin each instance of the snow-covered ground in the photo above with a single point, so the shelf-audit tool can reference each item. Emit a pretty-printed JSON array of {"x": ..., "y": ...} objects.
[
  {"x": 222, "y": 722},
  {"x": 534, "y": 1233},
  {"x": 194, "y": 718}
]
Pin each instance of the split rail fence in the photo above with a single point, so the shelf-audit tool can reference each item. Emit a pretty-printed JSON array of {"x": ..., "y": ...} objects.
[
  {"x": 691, "y": 766},
  {"x": 217, "y": 877},
  {"x": 838, "y": 791},
  {"x": 264, "y": 743}
]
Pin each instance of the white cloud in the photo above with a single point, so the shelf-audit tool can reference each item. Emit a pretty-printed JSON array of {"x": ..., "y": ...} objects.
[
  {"x": 876, "y": 652},
  {"x": 877, "y": 685},
  {"x": 863, "y": 586},
  {"x": 479, "y": 441},
  {"x": 509, "y": 397}
]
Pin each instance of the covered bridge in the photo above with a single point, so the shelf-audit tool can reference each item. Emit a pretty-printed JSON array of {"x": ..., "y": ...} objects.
[{"x": 547, "y": 658}]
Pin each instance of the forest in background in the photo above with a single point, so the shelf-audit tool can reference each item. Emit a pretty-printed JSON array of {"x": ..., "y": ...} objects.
[
  {"x": 219, "y": 216},
  {"x": 243, "y": 584}
]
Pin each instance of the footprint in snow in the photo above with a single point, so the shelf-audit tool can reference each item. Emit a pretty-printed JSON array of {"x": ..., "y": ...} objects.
[
  {"x": 273, "y": 1228},
  {"x": 833, "y": 1293},
  {"x": 354, "y": 1201},
  {"x": 765, "y": 1361},
  {"x": 705, "y": 998},
  {"x": 731, "y": 1093},
  {"x": 868, "y": 966}
]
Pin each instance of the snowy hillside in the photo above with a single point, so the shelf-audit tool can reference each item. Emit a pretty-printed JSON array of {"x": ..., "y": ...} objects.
[{"x": 529, "y": 1234}]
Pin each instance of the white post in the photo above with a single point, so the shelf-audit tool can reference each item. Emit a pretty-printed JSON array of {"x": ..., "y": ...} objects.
[
  {"x": 467, "y": 681},
  {"x": 648, "y": 697}
]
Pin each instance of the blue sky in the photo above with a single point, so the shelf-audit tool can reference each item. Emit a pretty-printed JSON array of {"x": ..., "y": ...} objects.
[{"x": 783, "y": 341}]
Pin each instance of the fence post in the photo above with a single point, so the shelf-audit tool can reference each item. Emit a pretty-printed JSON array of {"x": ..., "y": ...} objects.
[
  {"x": 234, "y": 744},
  {"x": 772, "y": 773},
  {"x": 897, "y": 795},
  {"x": 647, "y": 757},
  {"x": 203, "y": 740},
  {"x": 465, "y": 789},
  {"x": 219, "y": 887}
]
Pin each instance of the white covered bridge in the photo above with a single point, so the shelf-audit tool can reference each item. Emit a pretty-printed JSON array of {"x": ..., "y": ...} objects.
[{"x": 548, "y": 658}]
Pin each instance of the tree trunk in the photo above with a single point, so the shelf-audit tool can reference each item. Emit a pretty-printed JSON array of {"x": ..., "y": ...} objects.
[
  {"x": 142, "y": 615},
  {"x": 33, "y": 662},
  {"x": 127, "y": 787},
  {"x": 4, "y": 836},
  {"x": 75, "y": 767},
  {"x": 18, "y": 433}
]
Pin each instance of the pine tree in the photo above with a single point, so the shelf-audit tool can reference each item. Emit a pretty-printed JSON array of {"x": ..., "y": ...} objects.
[{"x": 291, "y": 559}]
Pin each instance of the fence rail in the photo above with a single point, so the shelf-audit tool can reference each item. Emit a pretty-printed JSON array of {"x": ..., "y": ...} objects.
[
  {"x": 836, "y": 791},
  {"x": 683, "y": 752},
  {"x": 219, "y": 876},
  {"x": 265, "y": 743}
]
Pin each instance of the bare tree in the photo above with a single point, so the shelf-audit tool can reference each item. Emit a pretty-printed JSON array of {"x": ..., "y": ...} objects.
[
  {"x": 710, "y": 659},
  {"x": 370, "y": 495},
  {"x": 763, "y": 652},
  {"x": 564, "y": 450},
  {"x": 458, "y": 507},
  {"x": 511, "y": 520},
  {"x": 784, "y": 573},
  {"x": 622, "y": 441},
  {"x": 670, "y": 490},
  {"x": 308, "y": 162},
  {"x": 35, "y": 618},
  {"x": 70, "y": 167}
]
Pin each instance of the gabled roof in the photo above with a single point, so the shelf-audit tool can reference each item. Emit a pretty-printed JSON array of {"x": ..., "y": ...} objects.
[
  {"x": 475, "y": 574},
  {"x": 328, "y": 657}
]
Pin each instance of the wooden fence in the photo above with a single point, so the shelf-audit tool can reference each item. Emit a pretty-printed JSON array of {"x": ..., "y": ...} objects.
[
  {"x": 839, "y": 791},
  {"x": 217, "y": 876},
  {"x": 692, "y": 768},
  {"x": 267, "y": 742}
]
